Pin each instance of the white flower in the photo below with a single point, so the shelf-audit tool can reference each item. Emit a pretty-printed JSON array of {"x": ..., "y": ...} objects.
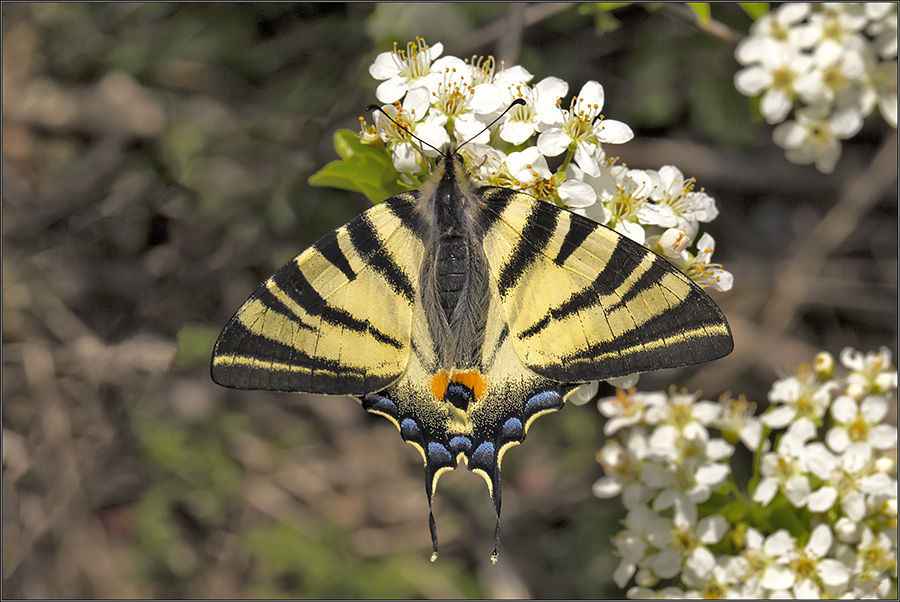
[
  {"x": 676, "y": 205},
  {"x": 583, "y": 128},
  {"x": 539, "y": 111},
  {"x": 860, "y": 423},
  {"x": 757, "y": 563},
  {"x": 406, "y": 153},
  {"x": 815, "y": 136},
  {"x": 809, "y": 565},
  {"x": 883, "y": 26},
  {"x": 778, "y": 26},
  {"x": 622, "y": 468},
  {"x": 847, "y": 530},
  {"x": 645, "y": 533},
  {"x": 530, "y": 171},
  {"x": 874, "y": 555},
  {"x": 627, "y": 409},
  {"x": 884, "y": 80},
  {"x": 737, "y": 421},
  {"x": 870, "y": 373},
  {"x": 623, "y": 193},
  {"x": 779, "y": 67},
  {"x": 528, "y": 166},
  {"x": 786, "y": 468},
  {"x": 488, "y": 166},
  {"x": 836, "y": 27},
  {"x": 798, "y": 396},
  {"x": 701, "y": 269},
  {"x": 404, "y": 70},
  {"x": 584, "y": 393},
  {"x": 838, "y": 76},
  {"x": 490, "y": 86},
  {"x": 686, "y": 464},
  {"x": 484, "y": 71},
  {"x": 688, "y": 415},
  {"x": 603, "y": 186},
  {"x": 698, "y": 568}
]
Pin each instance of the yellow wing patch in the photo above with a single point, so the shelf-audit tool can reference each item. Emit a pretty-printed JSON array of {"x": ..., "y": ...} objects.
[
  {"x": 337, "y": 318},
  {"x": 585, "y": 303}
]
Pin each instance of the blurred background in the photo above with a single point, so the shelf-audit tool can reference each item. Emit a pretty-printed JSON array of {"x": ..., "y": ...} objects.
[{"x": 155, "y": 166}]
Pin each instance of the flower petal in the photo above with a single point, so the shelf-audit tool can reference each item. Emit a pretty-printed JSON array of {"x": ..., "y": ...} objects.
[
  {"x": 612, "y": 131},
  {"x": 553, "y": 142}
]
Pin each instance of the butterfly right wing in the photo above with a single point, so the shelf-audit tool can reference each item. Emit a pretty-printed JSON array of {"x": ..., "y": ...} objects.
[
  {"x": 337, "y": 318},
  {"x": 585, "y": 303}
]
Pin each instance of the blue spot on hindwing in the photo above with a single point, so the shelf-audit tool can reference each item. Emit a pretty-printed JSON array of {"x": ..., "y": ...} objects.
[
  {"x": 460, "y": 443},
  {"x": 459, "y": 395},
  {"x": 380, "y": 403},
  {"x": 438, "y": 454},
  {"x": 484, "y": 455},
  {"x": 543, "y": 401},
  {"x": 512, "y": 430},
  {"x": 409, "y": 430}
]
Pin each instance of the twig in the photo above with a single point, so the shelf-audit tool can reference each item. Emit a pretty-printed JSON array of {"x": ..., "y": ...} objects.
[
  {"x": 495, "y": 31},
  {"x": 717, "y": 29},
  {"x": 858, "y": 196}
]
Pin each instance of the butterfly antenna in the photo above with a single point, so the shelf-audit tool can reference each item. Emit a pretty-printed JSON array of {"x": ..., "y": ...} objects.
[
  {"x": 516, "y": 102},
  {"x": 374, "y": 107}
]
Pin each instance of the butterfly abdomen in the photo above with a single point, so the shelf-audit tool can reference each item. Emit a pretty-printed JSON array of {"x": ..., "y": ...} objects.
[{"x": 454, "y": 277}]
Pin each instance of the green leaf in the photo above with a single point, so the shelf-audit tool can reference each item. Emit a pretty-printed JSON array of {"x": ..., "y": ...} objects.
[
  {"x": 195, "y": 346},
  {"x": 755, "y": 9},
  {"x": 783, "y": 515},
  {"x": 604, "y": 21},
  {"x": 701, "y": 9},
  {"x": 361, "y": 169}
]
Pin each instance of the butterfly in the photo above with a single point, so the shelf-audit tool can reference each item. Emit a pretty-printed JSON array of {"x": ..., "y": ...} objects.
[{"x": 461, "y": 313}]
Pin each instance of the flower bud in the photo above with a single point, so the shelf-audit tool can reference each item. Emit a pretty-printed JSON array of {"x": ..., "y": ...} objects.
[
  {"x": 823, "y": 364},
  {"x": 846, "y": 530},
  {"x": 646, "y": 578},
  {"x": 885, "y": 465},
  {"x": 886, "y": 381},
  {"x": 673, "y": 241},
  {"x": 856, "y": 390}
]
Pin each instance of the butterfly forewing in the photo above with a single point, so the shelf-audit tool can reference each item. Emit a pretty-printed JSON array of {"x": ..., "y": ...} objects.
[
  {"x": 334, "y": 320},
  {"x": 585, "y": 303}
]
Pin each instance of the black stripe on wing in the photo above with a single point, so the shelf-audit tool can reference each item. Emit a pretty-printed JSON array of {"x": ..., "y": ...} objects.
[
  {"x": 256, "y": 362},
  {"x": 620, "y": 265},
  {"x": 539, "y": 227},
  {"x": 294, "y": 284},
  {"x": 368, "y": 244},
  {"x": 692, "y": 316}
]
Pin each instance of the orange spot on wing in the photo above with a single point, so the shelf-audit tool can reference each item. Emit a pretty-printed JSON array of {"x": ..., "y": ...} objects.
[
  {"x": 439, "y": 384},
  {"x": 472, "y": 379}
]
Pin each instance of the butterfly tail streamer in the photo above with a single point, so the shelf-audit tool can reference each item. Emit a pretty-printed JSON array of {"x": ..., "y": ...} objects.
[
  {"x": 495, "y": 554},
  {"x": 432, "y": 526}
]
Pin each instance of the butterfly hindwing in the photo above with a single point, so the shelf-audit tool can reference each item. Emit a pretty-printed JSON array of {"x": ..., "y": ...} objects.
[
  {"x": 584, "y": 303},
  {"x": 336, "y": 319}
]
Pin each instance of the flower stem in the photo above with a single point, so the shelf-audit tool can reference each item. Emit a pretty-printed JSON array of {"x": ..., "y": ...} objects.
[
  {"x": 569, "y": 154},
  {"x": 757, "y": 456}
]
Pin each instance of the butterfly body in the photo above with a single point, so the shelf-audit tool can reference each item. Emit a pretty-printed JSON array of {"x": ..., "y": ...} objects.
[{"x": 461, "y": 314}]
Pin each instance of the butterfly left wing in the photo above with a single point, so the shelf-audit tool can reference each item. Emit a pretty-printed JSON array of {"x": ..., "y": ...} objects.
[{"x": 336, "y": 319}]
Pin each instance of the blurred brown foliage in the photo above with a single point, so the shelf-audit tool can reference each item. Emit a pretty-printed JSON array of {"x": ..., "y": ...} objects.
[{"x": 155, "y": 159}]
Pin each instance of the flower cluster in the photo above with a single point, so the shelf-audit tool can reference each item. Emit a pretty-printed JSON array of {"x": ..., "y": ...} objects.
[
  {"x": 833, "y": 63},
  {"x": 446, "y": 100},
  {"x": 820, "y": 518}
]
